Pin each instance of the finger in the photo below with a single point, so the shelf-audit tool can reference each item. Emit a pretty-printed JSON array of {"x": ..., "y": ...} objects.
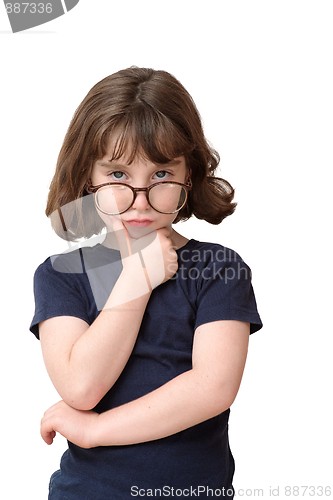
[
  {"x": 47, "y": 433},
  {"x": 122, "y": 236},
  {"x": 48, "y": 438}
]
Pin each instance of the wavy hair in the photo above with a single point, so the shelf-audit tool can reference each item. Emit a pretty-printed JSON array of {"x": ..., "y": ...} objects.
[{"x": 147, "y": 112}]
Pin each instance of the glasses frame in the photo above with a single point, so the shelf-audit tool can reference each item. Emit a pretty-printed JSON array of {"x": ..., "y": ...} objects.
[{"x": 93, "y": 189}]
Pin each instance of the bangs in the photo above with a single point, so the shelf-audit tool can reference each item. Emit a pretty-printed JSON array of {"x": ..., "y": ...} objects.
[{"x": 148, "y": 134}]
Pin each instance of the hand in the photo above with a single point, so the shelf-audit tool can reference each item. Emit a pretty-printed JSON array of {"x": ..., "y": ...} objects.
[
  {"x": 153, "y": 252},
  {"x": 77, "y": 426},
  {"x": 160, "y": 258}
]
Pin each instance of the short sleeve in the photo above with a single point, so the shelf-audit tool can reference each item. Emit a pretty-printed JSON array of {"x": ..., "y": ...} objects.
[
  {"x": 59, "y": 293},
  {"x": 226, "y": 293}
]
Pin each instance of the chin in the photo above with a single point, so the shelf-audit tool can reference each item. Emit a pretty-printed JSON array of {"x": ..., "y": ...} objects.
[{"x": 139, "y": 232}]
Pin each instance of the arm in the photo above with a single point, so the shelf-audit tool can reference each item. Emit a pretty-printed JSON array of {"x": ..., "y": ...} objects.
[
  {"x": 209, "y": 388},
  {"x": 84, "y": 361}
]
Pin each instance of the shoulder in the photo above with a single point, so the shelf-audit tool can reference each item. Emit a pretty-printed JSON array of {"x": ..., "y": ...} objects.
[
  {"x": 58, "y": 268},
  {"x": 207, "y": 254},
  {"x": 63, "y": 263},
  {"x": 221, "y": 283},
  {"x": 77, "y": 261},
  {"x": 88, "y": 272},
  {"x": 62, "y": 288},
  {"x": 66, "y": 267}
]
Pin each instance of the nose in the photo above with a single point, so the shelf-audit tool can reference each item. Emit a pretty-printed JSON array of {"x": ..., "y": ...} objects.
[{"x": 141, "y": 201}]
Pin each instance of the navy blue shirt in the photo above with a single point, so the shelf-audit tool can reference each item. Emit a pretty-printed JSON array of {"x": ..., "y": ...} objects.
[{"x": 212, "y": 283}]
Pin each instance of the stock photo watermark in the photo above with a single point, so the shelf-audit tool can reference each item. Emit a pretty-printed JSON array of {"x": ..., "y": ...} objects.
[
  {"x": 285, "y": 491},
  {"x": 26, "y": 15},
  {"x": 196, "y": 265}
]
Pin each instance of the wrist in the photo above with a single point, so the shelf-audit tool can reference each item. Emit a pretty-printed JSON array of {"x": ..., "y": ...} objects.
[
  {"x": 94, "y": 436},
  {"x": 100, "y": 434},
  {"x": 133, "y": 283},
  {"x": 134, "y": 270}
]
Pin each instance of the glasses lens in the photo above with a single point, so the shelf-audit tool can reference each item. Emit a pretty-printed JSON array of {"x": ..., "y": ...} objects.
[
  {"x": 167, "y": 198},
  {"x": 113, "y": 200}
]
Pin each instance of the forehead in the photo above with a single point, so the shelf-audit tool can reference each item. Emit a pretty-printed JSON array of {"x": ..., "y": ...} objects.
[
  {"x": 126, "y": 152},
  {"x": 137, "y": 138}
]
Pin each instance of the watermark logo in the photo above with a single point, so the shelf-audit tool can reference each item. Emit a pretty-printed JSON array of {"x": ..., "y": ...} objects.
[
  {"x": 150, "y": 259},
  {"x": 25, "y": 15}
]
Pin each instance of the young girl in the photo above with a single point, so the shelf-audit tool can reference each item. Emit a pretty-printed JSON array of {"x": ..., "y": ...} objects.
[{"x": 144, "y": 335}]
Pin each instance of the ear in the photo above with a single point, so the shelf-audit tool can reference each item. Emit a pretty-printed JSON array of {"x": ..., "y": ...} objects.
[{"x": 188, "y": 180}]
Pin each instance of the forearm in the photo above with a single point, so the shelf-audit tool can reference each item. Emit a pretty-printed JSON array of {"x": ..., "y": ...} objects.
[
  {"x": 99, "y": 354},
  {"x": 181, "y": 403},
  {"x": 208, "y": 389},
  {"x": 99, "y": 357}
]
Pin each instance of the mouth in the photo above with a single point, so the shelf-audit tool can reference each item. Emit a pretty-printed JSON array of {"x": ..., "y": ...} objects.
[{"x": 138, "y": 222}]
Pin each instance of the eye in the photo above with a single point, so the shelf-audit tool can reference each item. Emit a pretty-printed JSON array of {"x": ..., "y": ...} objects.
[
  {"x": 117, "y": 175},
  {"x": 161, "y": 174}
]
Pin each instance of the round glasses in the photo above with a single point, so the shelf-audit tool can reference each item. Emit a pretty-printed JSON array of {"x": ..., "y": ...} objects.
[{"x": 114, "y": 198}]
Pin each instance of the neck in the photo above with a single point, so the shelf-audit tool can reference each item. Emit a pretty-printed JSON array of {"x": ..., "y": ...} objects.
[{"x": 178, "y": 239}]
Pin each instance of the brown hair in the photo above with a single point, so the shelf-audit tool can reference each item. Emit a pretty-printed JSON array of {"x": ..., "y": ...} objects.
[{"x": 152, "y": 113}]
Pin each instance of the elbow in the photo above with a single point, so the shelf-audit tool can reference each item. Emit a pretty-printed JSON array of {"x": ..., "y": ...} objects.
[
  {"x": 80, "y": 403},
  {"x": 82, "y": 392},
  {"x": 222, "y": 397},
  {"x": 224, "y": 402},
  {"x": 77, "y": 404},
  {"x": 219, "y": 405},
  {"x": 82, "y": 398}
]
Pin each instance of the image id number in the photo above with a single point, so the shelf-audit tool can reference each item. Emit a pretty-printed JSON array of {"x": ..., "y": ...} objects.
[
  {"x": 29, "y": 8},
  {"x": 304, "y": 491}
]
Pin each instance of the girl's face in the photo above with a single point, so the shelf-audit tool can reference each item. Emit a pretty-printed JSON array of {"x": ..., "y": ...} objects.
[{"x": 140, "y": 219}]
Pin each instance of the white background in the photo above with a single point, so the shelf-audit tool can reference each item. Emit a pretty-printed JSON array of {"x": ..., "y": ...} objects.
[{"x": 261, "y": 75}]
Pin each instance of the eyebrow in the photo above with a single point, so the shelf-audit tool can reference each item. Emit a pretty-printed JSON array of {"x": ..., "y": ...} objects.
[{"x": 112, "y": 163}]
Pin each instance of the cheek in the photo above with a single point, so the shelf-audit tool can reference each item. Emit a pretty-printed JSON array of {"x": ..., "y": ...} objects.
[
  {"x": 109, "y": 220},
  {"x": 165, "y": 220},
  {"x": 172, "y": 218}
]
